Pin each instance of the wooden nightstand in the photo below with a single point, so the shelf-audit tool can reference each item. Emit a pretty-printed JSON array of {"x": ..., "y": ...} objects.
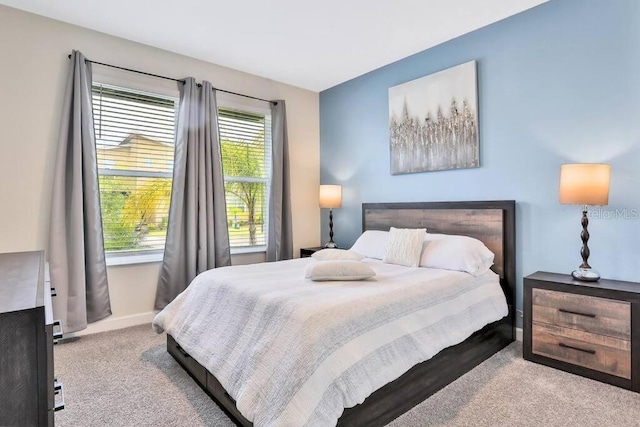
[
  {"x": 307, "y": 252},
  {"x": 586, "y": 328}
]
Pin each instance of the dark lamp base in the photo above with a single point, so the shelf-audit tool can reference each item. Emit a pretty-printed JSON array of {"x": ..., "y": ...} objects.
[{"x": 586, "y": 275}]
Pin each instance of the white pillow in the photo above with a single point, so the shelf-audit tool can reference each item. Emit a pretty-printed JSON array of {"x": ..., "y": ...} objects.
[
  {"x": 459, "y": 253},
  {"x": 372, "y": 244},
  {"x": 338, "y": 270},
  {"x": 404, "y": 246},
  {"x": 337, "y": 254}
]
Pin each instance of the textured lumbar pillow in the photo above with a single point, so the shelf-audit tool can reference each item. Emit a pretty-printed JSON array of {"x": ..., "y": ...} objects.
[
  {"x": 338, "y": 270},
  {"x": 404, "y": 246},
  {"x": 337, "y": 254}
]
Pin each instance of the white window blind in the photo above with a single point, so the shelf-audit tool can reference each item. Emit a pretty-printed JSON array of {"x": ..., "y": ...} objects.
[
  {"x": 135, "y": 134},
  {"x": 245, "y": 139}
]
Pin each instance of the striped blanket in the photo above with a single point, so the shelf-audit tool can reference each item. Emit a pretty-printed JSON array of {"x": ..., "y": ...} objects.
[{"x": 293, "y": 352}]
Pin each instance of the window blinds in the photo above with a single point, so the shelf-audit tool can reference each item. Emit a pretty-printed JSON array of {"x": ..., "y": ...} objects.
[
  {"x": 135, "y": 134},
  {"x": 245, "y": 139}
]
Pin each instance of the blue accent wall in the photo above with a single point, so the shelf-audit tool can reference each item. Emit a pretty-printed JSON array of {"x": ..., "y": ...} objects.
[{"x": 559, "y": 83}]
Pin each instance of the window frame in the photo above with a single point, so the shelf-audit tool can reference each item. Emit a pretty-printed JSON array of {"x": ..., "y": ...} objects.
[
  {"x": 108, "y": 76},
  {"x": 225, "y": 100},
  {"x": 126, "y": 81}
]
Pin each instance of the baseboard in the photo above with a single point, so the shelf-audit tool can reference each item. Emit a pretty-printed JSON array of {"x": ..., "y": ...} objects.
[
  {"x": 113, "y": 323},
  {"x": 519, "y": 334}
]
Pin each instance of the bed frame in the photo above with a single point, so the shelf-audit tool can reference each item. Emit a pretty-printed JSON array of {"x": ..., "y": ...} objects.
[{"x": 492, "y": 222}]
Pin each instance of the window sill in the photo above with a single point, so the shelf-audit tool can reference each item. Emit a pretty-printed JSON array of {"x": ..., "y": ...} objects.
[
  {"x": 249, "y": 250},
  {"x": 132, "y": 259}
]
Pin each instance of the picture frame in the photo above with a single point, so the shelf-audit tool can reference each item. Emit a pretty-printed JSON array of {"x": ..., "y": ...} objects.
[{"x": 433, "y": 122}]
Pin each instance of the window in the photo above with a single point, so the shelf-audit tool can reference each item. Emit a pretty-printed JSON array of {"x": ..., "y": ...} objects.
[
  {"x": 135, "y": 134},
  {"x": 135, "y": 139},
  {"x": 245, "y": 139}
]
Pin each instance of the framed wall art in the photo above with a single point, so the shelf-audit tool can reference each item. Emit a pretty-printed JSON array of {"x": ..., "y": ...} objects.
[{"x": 433, "y": 122}]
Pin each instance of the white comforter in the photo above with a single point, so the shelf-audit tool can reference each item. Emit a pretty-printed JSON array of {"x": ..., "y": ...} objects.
[{"x": 293, "y": 352}]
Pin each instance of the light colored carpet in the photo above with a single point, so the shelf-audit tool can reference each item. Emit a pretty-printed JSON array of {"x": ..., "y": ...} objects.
[{"x": 126, "y": 378}]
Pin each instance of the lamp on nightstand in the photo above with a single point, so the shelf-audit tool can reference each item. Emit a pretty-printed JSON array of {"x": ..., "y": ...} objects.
[
  {"x": 586, "y": 185},
  {"x": 330, "y": 197}
]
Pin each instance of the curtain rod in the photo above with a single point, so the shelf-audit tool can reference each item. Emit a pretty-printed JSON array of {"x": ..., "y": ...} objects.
[{"x": 175, "y": 80}]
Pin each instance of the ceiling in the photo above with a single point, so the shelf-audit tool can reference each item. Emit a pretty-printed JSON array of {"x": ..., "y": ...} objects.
[{"x": 313, "y": 45}]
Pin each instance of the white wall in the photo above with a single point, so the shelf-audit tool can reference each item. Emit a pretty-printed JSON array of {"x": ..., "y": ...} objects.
[{"x": 33, "y": 65}]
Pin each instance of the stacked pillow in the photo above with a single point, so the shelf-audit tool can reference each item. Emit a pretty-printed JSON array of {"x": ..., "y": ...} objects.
[
  {"x": 372, "y": 244},
  {"x": 337, "y": 254},
  {"x": 459, "y": 253},
  {"x": 337, "y": 264},
  {"x": 443, "y": 251}
]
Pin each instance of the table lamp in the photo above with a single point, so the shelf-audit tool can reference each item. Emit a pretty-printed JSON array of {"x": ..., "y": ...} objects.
[
  {"x": 586, "y": 185},
  {"x": 330, "y": 197}
]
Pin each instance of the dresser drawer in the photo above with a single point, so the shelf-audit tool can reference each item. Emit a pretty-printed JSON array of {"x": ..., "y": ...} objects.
[
  {"x": 601, "y": 353},
  {"x": 590, "y": 314}
]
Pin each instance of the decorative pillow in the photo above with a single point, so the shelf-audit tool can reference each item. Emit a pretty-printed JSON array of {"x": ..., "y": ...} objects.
[
  {"x": 372, "y": 244},
  {"x": 338, "y": 270},
  {"x": 459, "y": 253},
  {"x": 404, "y": 246},
  {"x": 337, "y": 254}
]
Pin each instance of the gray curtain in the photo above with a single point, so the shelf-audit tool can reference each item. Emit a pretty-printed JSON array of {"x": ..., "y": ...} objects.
[
  {"x": 76, "y": 246},
  {"x": 280, "y": 237},
  {"x": 197, "y": 233}
]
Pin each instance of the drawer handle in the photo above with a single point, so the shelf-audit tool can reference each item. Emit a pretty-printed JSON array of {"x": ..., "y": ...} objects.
[
  {"x": 57, "y": 335},
  {"x": 182, "y": 352},
  {"x": 563, "y": 345},
  {"x": 58, "y": 390},
  {"x": 562, "y": 310}
]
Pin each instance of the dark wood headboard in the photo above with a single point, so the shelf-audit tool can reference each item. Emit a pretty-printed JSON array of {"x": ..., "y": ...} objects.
[{"x": 492, "y": 222}]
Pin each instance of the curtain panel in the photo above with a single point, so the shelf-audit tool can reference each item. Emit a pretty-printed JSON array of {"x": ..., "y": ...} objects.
[
  {"x": 197, "y": 233},
  {"x": 76, "y": 247},
  {"x": 280, "y": 236}
]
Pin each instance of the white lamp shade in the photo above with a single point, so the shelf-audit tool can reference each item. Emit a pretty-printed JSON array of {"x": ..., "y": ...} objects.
[
  {"x": 585, "y": 184},
  {"x": 330, "y": 196}
]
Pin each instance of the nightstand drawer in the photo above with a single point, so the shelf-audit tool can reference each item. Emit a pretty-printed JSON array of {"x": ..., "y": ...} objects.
[
  {"x": 601, "y": 353},
  {"x": 307, "y": 252},
  {"x": 590, "y": 314}
]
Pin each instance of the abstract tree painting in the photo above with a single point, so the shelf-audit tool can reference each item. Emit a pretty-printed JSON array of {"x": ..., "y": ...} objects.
[{"x": 433, "y": 122}]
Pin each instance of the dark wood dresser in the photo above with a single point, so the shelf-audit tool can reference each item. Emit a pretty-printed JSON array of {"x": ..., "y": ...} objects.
[
  {"x": 586, "y": 328},
  {"x": 28, "y": 390}
]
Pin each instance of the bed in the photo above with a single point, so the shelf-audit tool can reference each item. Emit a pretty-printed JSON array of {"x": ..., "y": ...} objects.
[{"x": 493, "y": 223}]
